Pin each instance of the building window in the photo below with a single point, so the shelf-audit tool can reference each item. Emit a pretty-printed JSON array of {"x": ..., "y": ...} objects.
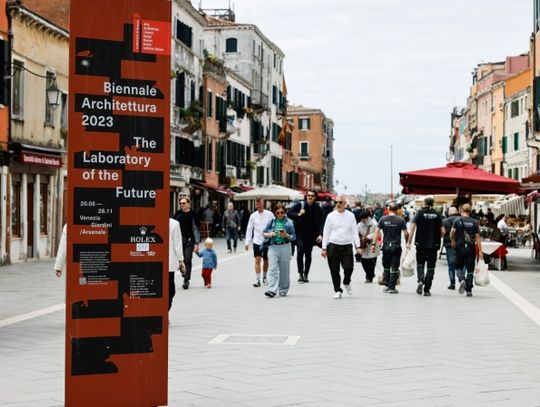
[
  {"x": 16, "y": 211},
  {"x": 304, "y": 149},
  {"x": 65, "y": 109},
  {"x": 514, "y": 107},
  {"x": 504, "y": 144},
  {"x": 516, "y": 141},
  {"x": 17, "y": 101},
  {"x": 209, "y": 104},
  {"x": 516, "y": 173},
  {"x": 43, "y": 199},
  {"x": 184, "y": 33},
  {"x": 231, "y": 45},
  {"x": 180, "y": 90},
  {"x": 304, "y": 123},
  {"x": 49, "y": 110},
  {"x": 274, "y": 94}
]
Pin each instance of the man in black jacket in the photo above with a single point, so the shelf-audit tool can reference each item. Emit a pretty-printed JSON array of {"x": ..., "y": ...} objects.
[
  {"x": 190, "y": 227},
  {"x": 308, "y": 218}
]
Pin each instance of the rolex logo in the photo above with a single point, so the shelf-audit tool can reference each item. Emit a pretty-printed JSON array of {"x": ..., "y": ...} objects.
[{"x": 143, "y": 230}]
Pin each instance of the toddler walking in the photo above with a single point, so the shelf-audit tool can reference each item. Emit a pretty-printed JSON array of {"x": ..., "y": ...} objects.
[{"x": 209, "y": 261}]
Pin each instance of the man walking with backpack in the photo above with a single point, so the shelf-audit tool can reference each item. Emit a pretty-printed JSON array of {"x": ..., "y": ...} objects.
[
  {"x": 308, "y": 218},
  {"x": 429, "y": 230}
]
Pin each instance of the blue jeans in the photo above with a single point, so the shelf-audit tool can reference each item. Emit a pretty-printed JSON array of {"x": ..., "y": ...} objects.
[{"x": 451, "y": 260}]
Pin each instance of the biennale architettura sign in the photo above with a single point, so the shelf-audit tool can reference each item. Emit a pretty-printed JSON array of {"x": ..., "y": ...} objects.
[{"x": 118, "y": 195}]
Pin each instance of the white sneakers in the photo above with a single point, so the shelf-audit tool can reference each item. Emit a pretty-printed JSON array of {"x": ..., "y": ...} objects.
[
  {"x": 348, "y": 289},
  {"x": 337, "y": 296}
]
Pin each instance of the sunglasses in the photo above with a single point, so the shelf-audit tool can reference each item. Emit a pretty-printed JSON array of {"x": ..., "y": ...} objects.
[
  {"x": 310, "y": 196},
  {"x": 183, "y": 203},
  {"x": 340, "y": 202},
  {"x": 280, "y": 213}
]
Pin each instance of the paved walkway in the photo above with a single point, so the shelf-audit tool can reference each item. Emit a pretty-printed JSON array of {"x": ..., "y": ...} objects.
[{"x": 371, "y": 349}]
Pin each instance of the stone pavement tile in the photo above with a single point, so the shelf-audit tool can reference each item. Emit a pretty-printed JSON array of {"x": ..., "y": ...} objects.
[{"x": 278, "y": 400}]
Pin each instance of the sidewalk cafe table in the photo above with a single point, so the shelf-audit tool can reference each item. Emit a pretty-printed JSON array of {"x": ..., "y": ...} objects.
[{"x": 494, "y": 250}]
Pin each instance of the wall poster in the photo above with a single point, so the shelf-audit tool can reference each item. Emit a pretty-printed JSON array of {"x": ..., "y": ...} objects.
[{"x": 118, "y": 203}]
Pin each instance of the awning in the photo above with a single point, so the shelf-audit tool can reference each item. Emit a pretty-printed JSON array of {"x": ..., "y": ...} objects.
[
  {"x": 456, "y": 178},
  {"x": 212, "y": 188}
]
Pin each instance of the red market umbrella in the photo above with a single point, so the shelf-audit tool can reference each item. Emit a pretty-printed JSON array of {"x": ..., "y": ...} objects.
[{"x": 456, "y": 178}]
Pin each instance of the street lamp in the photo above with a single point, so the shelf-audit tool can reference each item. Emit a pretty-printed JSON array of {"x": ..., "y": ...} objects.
[{"x": 53, "y": 95}]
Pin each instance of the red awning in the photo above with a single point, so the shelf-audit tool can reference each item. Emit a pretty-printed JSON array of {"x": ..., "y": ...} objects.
[
  {"x": 212, "y": 188},
  {"x": 456, "y": 178}
]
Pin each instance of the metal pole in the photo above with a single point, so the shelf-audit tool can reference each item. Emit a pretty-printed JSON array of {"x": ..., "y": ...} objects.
[{"x": 392, "y": 172}]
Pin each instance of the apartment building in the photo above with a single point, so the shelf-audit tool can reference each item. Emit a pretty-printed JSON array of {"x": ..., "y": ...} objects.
[
  {"x": 38, "y": 132},
  {"x": 312, "y": 143}
]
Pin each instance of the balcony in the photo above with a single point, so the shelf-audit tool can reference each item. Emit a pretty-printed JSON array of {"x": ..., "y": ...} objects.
[
  {"x": 305, "y": 157},
  {"x": 282, "y": 108},
  {"x": 259, "y": 101}
]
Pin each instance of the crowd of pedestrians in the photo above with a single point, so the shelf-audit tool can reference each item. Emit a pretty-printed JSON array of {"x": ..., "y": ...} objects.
[{"x": 343, "y": 234}]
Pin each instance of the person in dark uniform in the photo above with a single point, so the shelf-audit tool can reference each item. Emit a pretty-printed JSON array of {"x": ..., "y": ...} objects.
[
  {"x": 465, "y": 237},
  {"x": 191, "y": 236},
  {"x": 450, "y": 251},
  {"x": 308, "y": 218},
  {"x": 429, "y": 230},
  {"x": 391, "y": 226}
]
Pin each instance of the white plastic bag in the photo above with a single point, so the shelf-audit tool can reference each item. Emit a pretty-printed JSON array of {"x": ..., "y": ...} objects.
[
  {"x": 408, "y": 264},
  {"x": 481, "y": 274}
]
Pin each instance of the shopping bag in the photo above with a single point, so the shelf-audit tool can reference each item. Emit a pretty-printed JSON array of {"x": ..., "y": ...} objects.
[
  {"x": 481, "y": 274},
  {"x": 408, "y": 264}
]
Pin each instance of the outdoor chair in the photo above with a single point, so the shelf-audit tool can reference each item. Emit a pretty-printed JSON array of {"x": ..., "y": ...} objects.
[{"x": 535, "y": 251}]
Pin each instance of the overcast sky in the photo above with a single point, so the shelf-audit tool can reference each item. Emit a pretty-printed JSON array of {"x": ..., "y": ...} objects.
[{"x": 388, "y": 72}]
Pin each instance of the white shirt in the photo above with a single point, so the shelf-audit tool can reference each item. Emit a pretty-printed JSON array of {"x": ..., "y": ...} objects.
[
  {"x": 340, "y": 228},
  {"x": 60, "y": 263},
  {"x": 502, "y": 226},
  {"x": 176, "y": 253},
  {"x": 257, "y": 223}
]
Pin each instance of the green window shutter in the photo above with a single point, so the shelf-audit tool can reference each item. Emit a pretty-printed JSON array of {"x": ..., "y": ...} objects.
[
  {"x": 516, "y": 141},
  {"x": 505, "y": 145}
]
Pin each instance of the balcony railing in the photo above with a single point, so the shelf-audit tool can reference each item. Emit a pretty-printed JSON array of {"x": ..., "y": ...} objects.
[{"x": 259, "y": 99}]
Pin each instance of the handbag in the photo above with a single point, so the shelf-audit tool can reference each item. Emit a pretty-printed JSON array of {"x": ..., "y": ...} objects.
[{"x": 481, "y": 274}]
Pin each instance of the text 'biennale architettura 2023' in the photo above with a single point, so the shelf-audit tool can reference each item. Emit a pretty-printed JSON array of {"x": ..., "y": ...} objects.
[{"x": 118, "y": 203}]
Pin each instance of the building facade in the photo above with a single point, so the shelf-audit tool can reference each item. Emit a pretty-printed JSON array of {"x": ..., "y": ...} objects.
[
  {"x": 516, "y": 126},
  {"x": 312, "y": 143},
  {"x": 38, "y": 135}
]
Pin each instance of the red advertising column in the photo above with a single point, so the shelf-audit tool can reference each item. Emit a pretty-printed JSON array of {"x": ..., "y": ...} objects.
[{"x": 118, "y": 203}]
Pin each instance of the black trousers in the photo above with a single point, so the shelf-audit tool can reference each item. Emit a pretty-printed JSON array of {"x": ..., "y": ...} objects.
[
  {"x": 304, "y": 249},
  {"x": 369, "y": 267},
  {"x": 340, "y": 256},
  {"x": 172, "y": 288},
  {"x": 187, "y": 246},
  {"x": 390, "y": 260},
  {"x": 424, "y": 256},
  {"x": 465, "y": 262}
]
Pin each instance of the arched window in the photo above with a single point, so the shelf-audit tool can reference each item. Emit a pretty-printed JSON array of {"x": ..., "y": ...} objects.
[{"x": 231, "y": 45}]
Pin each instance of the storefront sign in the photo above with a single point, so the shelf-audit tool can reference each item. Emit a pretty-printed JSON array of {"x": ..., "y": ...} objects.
[
  {"x": 42, "y": 160},
  {"x": 118, "y": 203}
]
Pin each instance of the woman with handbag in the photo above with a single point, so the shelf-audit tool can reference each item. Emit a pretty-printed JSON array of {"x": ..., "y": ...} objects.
[
  {"x": 366, "y": 231},
  {"x": 279, "y": 233}
]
